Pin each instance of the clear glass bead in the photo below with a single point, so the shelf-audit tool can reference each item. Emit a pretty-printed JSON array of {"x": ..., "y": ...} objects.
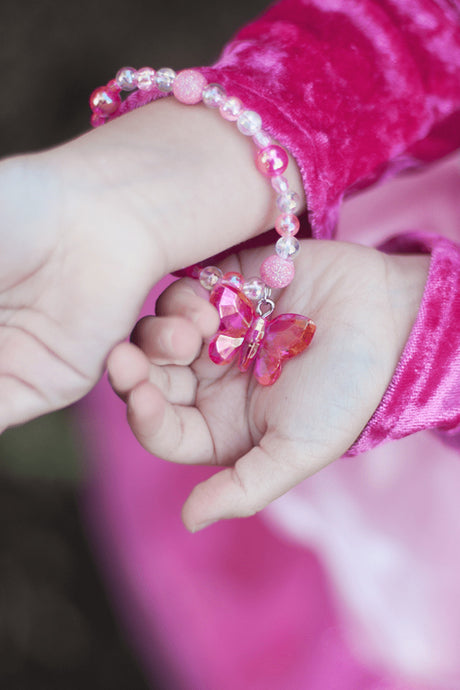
[
  {"x": 287, "y": 203},
  {"x": 262, "y": 139},
  {"x": 231, "y": 108},
  {"x": 145, "y": 78},
  {"x": 254, "y": 288},
  {"x": 280, "y": 184},
  {"x": 287, "y": 247},
  {"x": 210, "y": 276},
  {"x": 214, "y": 95},
  {"x": 249, "y": 122},
  {"x": 126, "y": 78},
  {"x": 164, "y": 79}
]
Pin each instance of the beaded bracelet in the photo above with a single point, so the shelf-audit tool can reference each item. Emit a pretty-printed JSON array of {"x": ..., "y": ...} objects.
[{"x": 244, "y": 306}]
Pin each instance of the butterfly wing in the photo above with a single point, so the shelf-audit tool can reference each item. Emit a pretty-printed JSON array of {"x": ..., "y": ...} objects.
[
  {"x": 286, "y": 336},
  {"x": 236, "y": 315}
]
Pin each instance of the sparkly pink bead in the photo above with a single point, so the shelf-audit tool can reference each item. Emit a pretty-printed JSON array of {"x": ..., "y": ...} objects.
[
  {"x": 272, "y": 160},
  {"x": 188, "y": 86},
  {"x": 104, "y": 101},
  {"x": 145, "y": 78},
  {"x": 277, "y": 272},
  {"x": 231, "y": 109},
  {"x": 287, "y": 224}
]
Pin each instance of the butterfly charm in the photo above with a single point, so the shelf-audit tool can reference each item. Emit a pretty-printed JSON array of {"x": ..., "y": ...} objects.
[{"x": 266, "y": 342}]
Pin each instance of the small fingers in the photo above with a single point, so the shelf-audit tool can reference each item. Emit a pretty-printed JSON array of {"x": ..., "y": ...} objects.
[
  {"x": 188, "y": 299},
  {"x": 167, "y": 340},
  {"x": 173, "y": 432}
]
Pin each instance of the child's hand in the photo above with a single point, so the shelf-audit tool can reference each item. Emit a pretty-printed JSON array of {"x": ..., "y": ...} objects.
[{"x": 186, "y": 409}]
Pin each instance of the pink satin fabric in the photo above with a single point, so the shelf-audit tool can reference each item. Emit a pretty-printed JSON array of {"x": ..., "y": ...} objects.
[{"x": 350, "y": 581}]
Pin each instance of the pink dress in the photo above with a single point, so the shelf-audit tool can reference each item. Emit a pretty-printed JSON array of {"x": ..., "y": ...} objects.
[{"x": 352, "y": 580}]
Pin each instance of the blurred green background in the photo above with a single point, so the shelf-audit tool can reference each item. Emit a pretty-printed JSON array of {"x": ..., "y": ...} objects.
[{"x": 57, "y": 629}]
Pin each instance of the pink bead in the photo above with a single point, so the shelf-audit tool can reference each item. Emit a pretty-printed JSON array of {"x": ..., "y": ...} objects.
[
  {"x": 277, "y": 272},
  {"x": 287, "y": 224},
  {"x": 113, "y": 85},
  {"x": 272, "y": 160},
  {"x": 97, "y": 119},
  {"x": 145, "y": 78},
  {"x": 104, "y": 101},
  {"x": 188, "y": 86}
]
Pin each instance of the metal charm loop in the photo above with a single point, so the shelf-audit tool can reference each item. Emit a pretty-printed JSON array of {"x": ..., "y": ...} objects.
[{"x": 265, "y": 302}]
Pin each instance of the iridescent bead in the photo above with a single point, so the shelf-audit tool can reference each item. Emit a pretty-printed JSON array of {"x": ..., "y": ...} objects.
[
  {"x": 234, "y": 279},
  {"x": 114, "y": 86},
  {"x": 272, "y": 160},
  {"x": 164, "y": 79},
  {"x": 97, "y": 120},
  {"x": 231, "y": 108},
  {"x": 104, "y": 101},
  {"x": 287, "y": 247},
  {"x": 214, "y": 95},
  {"x": 249, "y": 122},
  {"x": 188, "y": 86},
  {"x": 288, "y": 202},
  {"x": 287, "y": 224},
  {"x": 126, "y": 78},
  {"x": 262, "y": 139},
  {"x": 280, "y": 184},
  {"x": 277, "y": 272},
  {"x": 145, "y": 78},
  {"x": 254, "y": 288},
  {"x": 210, "y": 276}
]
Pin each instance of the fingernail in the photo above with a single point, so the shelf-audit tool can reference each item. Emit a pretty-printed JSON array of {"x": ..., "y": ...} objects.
[
  {"x": 202, "y": 525},
  {"x": 166, "y": 339}
]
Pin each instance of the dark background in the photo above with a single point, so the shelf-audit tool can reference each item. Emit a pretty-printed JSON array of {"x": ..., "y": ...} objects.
[{"x": 57, "y": 630}]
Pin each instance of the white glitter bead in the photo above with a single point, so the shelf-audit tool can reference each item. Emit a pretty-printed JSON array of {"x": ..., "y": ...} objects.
[
  {"x": 280, "y": 184},
  {"x": 126, "y": 78},
  {"x": 254, "y": 288},
  {"x": 164, "y": 79},
  {"x": 262, "y": 139},
  {"x": 249, "y": 122},
  {"x": 287, "y": 203},
  {"x": 210, "y": 276},
  {"x": 231, "y": 108},
  {"x": 214, "y": 95},
  {"x": 287, "y": 247}
]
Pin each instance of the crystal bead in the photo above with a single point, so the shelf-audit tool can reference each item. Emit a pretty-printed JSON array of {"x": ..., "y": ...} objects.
[
  {"x": 214, "y": 95},
  {"x": 280, "y": 184},
  {"x": 288, "y": 202},
  {"x": 210, "y": 276},
  {"x": 254, "y": 288},
  {"x": 287, "y": 247},
  {"x": 164, "y": 79},
  {"x": 262, "y": 139},
  {"x": 234, "y": 279},
  {"x": 145, "y": 78},
  {"x": 277, "y": 272},
  {"x": 287, "y": 224},
  {"x": 231, "y": 108},
  {"x": 272, "y": 160},
  {"x": 126, "y": 78},
  {"x": 104, "y": 100},
  {"x": 188, "y": 86},
  {"x": 249, "y": 122}
]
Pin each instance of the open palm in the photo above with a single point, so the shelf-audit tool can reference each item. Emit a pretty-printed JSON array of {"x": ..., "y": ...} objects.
[{"x": 184, "y": 408}]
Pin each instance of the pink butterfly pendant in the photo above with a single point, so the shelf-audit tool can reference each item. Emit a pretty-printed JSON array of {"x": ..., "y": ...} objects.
[{"x": 266, "y": 342}]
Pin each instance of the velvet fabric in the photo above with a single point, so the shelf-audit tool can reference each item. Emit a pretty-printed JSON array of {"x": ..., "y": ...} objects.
[{"x": 350, "y": 581}]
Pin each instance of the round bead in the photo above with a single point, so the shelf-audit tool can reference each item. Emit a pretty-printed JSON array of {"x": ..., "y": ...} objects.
[
  {"x": 234, "y": 279},
  {"x": 280, "y": 184},
  {"x": 210, "y": 276},
  {"x": 254, "y": 288},
  {"x": 262, "y": 139},
  {"x": 277, "y": 272},
  {"x": 126, "y": 78},
  {"x": 113, "y": 85},
  {"x": 287, "y": 224},
  {"x": 188, "y": 86},
  {"x": 287, "y": 247},
  {"x": 231, "y": 108},
  {"x": 214, "y": 95},
  {"x": 104, "y": 100},
  {"x": 97, "y": 120},
  {"x": 288, "y": 202},
  {"x": 145, "y": 78},
  {"x": 272, "y": 160},
  {"x": 164, "y": 79},
  {"x": 249, "y": 122}
]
